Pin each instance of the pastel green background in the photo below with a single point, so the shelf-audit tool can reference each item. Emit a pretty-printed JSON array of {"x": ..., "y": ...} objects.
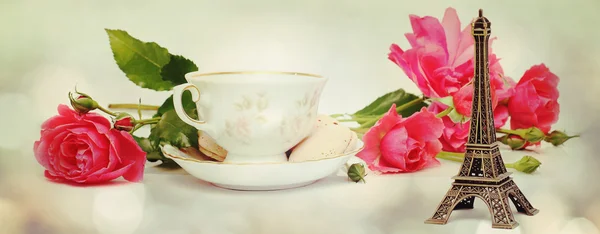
[{"x": 48, "y": 47}]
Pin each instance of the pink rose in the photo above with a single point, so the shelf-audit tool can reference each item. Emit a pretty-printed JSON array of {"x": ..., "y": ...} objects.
[
  {"x": 535, "y": 101},
  {"x": 395, "y": 144},
  {"x": 455, "y": 135},
  {"x": 463, "y": 100},
  {"x": 504, "y": 89},
  {"x": 83, "y": 148},
  {"x": 440, "y": 60}
]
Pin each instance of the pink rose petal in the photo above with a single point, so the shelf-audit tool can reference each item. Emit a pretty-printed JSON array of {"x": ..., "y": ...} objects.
[{"x": 394, "y": 147}]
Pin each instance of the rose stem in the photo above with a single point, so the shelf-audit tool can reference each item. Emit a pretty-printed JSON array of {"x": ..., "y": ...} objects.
[
  {"x": 106, "y": 111},
  {"x": 149, "y": 121},
  {"x": 409, "y": 104},
  {"x": 459, "y": 157},
  {"x": 355, "y": 119},
  {"x": 337, "y": 115},
  {"x": 141, "y": 123},
  {"x": 445, "y": 112},
  {"x": 132, "y": 106},
  {"x": 507, "y": 131},
  {"x": 139, "y": 108}
]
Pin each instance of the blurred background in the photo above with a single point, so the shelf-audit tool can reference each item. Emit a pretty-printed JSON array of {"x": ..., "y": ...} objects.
[{"x": 48, "y": 47}]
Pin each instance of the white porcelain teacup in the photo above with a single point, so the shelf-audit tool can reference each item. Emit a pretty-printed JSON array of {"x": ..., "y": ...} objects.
[{"x": 255, "y": 116}]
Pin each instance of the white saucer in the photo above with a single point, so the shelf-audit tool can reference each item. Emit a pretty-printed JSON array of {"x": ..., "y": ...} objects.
[{"x": 267, "y": 176}]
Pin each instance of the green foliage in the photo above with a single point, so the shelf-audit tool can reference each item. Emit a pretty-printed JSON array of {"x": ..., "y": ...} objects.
[
  {"x": 382, "y": 104},
  {"x": 147, "y": 64},
  {"x": 151, "y": 66},
  {"x": 151, "y": 153},
  {"x": 406, "y": 105},
  {"x": 154, "y": 153},
  {"x": 141, "y": 62},
  {"x": 186, "y": 100},
  {"x": 171, "y": 130},
  {"x": 176, "y": 69}
]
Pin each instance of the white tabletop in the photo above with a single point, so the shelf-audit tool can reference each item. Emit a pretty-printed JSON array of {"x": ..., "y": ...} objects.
[{"x": 171, "y": 201}]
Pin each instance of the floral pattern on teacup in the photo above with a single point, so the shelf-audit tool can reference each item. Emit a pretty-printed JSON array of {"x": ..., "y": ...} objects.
[
  {"x": 304, "y": 112},
  {"x": 250, "y": 110}
]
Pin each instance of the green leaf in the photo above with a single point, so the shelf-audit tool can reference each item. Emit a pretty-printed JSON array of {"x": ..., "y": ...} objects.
[
  {"x": 382, "y": 104},
  {"x": 176, "y": 69},
  {"x": 144, "y": 143},
  {"x": 140, "y": 61},
  {"x": 171, "y": 130},
  {"x": 186, "y": 100},
  {"x": 152, "y": 153}
]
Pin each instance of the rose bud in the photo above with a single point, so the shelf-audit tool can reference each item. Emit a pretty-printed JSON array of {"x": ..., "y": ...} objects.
[
  {"x": 83, "y": 104},
  {"x": 356, "y": 172},
  {"x": 124, "y": 122},
  {"x": 557, "y": 138},
  {"x": 515, "y": 142},
  {"x": 533, "y": 135},
  {"x": 527, "y": 164}
]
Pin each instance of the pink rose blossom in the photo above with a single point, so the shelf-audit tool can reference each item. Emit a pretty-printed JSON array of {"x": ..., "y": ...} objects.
[
  {"x": 395, "y": 144},
  {"x": 535, "y": 102},
  {"x": 455, "y": 135},
  {"x": 463, "y": 101},
  {"x": 440, "y": 60},
  {"x": 82, "y": 148}
]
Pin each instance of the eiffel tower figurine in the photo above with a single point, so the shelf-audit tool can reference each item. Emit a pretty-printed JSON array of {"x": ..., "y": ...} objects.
[{"x": 483, "y": 173}]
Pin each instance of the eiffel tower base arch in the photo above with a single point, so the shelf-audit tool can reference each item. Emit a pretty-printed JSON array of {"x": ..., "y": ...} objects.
[{"x": 462, "y": 196}]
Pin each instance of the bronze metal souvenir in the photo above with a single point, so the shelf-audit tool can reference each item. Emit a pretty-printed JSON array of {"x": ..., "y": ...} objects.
[{"x": 483, "y": 173}]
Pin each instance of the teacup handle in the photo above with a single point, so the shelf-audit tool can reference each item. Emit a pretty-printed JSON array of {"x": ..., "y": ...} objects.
[{"x": 178, "y": 105}]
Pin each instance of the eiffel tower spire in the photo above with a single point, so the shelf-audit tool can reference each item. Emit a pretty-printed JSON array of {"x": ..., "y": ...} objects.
[
  {"x": 483, "y": 173},
  {"x": 482, "y": 116}
]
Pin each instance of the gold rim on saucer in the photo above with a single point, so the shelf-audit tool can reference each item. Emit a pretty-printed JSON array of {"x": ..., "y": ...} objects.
[
  {"x": 197, "y": 74},
  {"x": 267, "y": 163}
]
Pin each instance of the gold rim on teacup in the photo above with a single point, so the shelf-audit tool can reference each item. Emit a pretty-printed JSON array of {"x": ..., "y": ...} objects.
[
  {"x": 197, "y": 74},
  {"x": 267, "y": 163}
]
